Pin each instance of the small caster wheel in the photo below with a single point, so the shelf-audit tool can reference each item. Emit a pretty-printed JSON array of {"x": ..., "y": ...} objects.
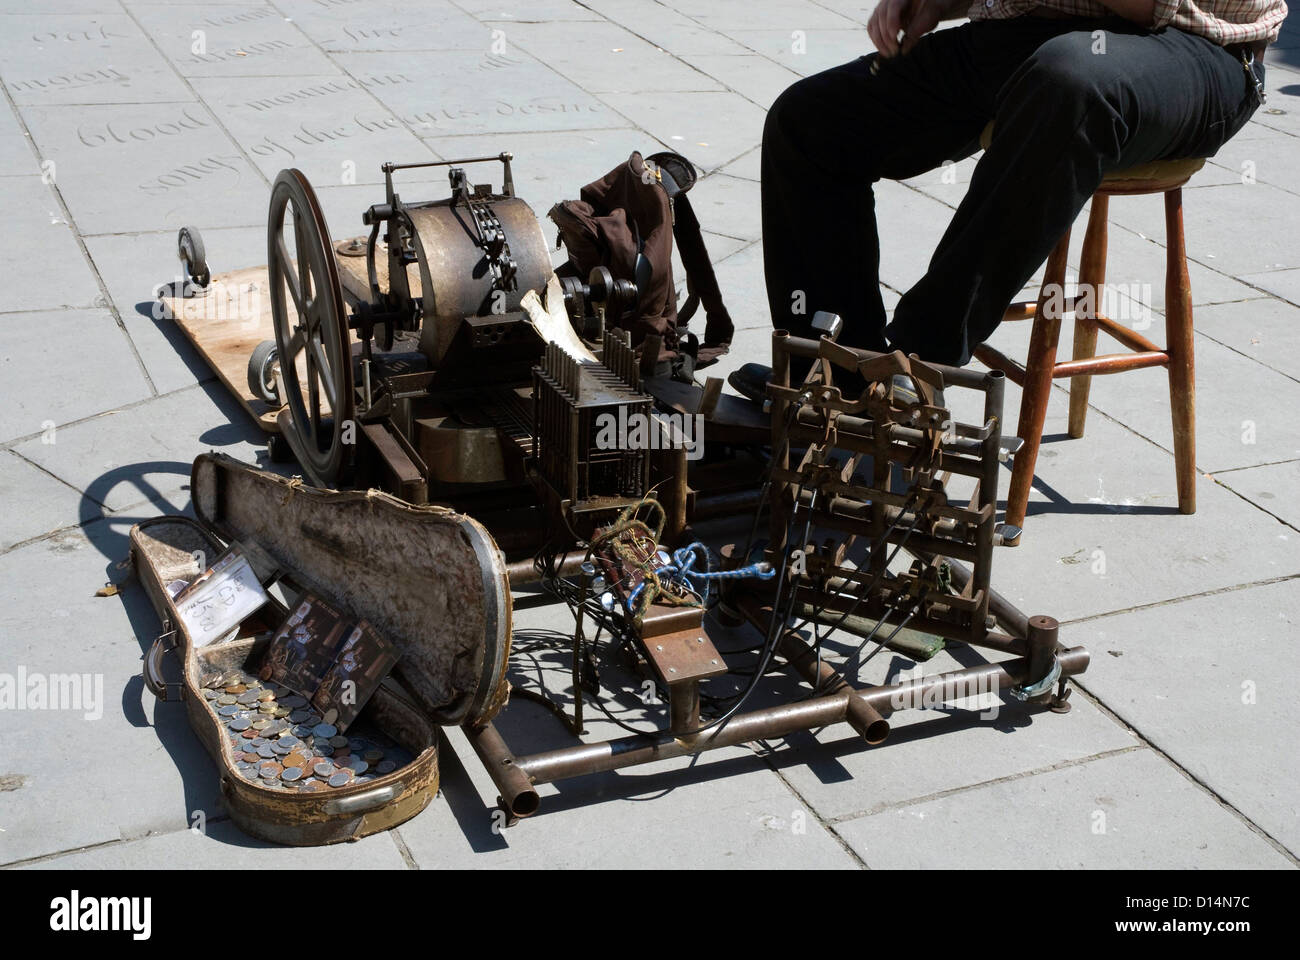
[
  {"x": 261, "y": 372},
  {"x": 278, "y": 449},
  {"x": 189, "y": 247}
]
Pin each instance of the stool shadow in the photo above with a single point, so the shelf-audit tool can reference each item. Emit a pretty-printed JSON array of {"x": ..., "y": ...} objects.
[{"x": 1059, "y": 503}]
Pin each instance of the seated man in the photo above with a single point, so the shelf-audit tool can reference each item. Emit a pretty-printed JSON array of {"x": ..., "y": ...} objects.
[{"x": 1076, "y": 88}]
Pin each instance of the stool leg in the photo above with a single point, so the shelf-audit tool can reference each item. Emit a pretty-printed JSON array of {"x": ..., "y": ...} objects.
[
  {"x": 1179, "y": 336},
  {"x": 1092, "y": 280},
  {"x": 1039, "y": 365}
]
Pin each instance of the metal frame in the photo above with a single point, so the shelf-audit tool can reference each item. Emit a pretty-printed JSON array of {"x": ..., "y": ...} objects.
[{"x": 967, "y": 532}]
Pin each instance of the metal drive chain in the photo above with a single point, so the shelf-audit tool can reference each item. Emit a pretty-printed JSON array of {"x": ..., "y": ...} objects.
[{"x": 493, "y": 235}]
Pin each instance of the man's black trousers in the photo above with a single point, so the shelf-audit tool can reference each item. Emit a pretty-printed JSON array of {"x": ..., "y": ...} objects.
[{"x": 1071, "y": 100}]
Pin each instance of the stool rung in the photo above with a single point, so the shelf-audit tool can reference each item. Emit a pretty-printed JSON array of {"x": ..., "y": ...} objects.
[
  {"x": 1110, "y": 363},
  {"x": 1025, "y": 310},
  {"x": 1125, "y": 335},
  {"x": 995, "y": 359}
]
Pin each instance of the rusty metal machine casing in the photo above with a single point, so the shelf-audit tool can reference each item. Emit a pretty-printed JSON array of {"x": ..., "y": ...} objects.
[{"x": 454, "y": 284}]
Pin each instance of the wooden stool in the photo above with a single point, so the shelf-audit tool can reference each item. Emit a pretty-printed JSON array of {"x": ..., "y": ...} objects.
[{"x": 1041, "y": 366}]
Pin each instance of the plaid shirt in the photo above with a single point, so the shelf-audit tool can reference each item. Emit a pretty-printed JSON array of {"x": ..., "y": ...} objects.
[{"x": 1222, "y": 21}]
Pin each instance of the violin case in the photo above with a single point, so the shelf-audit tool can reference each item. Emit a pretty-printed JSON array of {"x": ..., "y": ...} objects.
[{"x": 429, "y": 579}]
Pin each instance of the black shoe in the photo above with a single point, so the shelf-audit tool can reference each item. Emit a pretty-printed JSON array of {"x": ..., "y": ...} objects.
[
  {"x": 905, "y": 391},
  {"x": 751, "y": 381}
]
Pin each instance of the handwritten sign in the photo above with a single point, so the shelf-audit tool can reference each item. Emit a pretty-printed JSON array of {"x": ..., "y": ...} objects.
[{"x": 220, "y": 599}]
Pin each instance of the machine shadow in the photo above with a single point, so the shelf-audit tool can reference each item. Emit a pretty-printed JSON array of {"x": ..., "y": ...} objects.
[{"x": 108, "y": 531}]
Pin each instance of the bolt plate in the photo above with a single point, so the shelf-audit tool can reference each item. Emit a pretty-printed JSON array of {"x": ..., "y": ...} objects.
[{"x": 685, "y": 655}]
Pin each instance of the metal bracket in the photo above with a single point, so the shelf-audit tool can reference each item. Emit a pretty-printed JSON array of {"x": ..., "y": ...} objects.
[{"x": 1031, "y": 690}]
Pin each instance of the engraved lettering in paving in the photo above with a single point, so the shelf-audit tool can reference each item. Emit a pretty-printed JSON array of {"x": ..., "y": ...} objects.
[
  {"x": 75, "y": 36},
  {"x": 191, "y": 173},
  {"x": 258, "y": 49},
  {"x": 98, "y": 135},
  {"x": 246, "y": 17},
  {"x": 322, "y": 90},
  {"x": 381, "y": 33},
  {"x": 71, "y": 81},
  {"x": 495, "y": 61},
  {"x": 287, "y": 146}
]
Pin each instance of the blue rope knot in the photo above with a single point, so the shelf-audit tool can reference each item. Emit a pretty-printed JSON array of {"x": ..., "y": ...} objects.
[{"x": 682, "y": 571}]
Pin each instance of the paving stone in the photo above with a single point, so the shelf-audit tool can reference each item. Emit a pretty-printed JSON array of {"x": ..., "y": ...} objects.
[
  {"x": 44, "y": 393},
  {"x": 722, "y": 812},
  {"x": 1048, "y": 822},
  {"x": 225, "y": 847},
  {"x": 667, "y": 28},
  {"x": 729, "y": 205},
  {"x": 389, "y": 25},
  {"x": 135, "y": 265},
  {"x": 1103, "y": 532},
  {"x": 740, "y": 277},
  {"x": 1282, "y": 283},
  {"x": 1264, "y": 154},
  {"x": 934, "y": 750},
  {"x": 331, "y": 129},
  {"x": 1234, "y": 428},
  {"x": 1212, "y": 219},
  {"x": 910, "y": 224},
  {"x": 145, "y": 451},
  {"x": 754, "y": 77},
  {"x": 232, "y": 41},
  {"x": 35, "y": 502},
  {"x": 1270, "y": 487},
  {"x": 16, "y": 155},
  {"x": 67, "y": 57},
  {"x": 608, "y": 59},
  {"x": 807, "y": 51},
  {"x": 534, "y": 11},
  {"x": 947, "y": 183},
  {"x": 733, "y": 18},
  {"x": 856, "y": 10},
  {"x": 747, "y": 167},
  {"x": 67, "y": 6},
  {"x": 1263, "y": 329},
  {"x": 56, "y": 626},
  {"x": 55, "y": 274},
  {"x": 1135, "y": 263},
  {"x": 481, "y": 92},
  {"x": 710, "y": 128},
  {"x": 1207, "y": 681},
  {"x": 720, "y": 247},
  {"x": 169, "y": 164}
]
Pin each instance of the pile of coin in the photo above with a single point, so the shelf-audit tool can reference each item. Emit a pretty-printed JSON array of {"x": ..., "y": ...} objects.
[{"x": 279, "y": 742}]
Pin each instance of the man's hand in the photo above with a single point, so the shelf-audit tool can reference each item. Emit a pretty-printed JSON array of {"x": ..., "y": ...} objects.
[{"x": 915, "y": 18}]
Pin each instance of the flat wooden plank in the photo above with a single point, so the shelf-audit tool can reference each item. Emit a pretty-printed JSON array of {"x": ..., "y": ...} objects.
[{"x": 225, "y": 323}]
